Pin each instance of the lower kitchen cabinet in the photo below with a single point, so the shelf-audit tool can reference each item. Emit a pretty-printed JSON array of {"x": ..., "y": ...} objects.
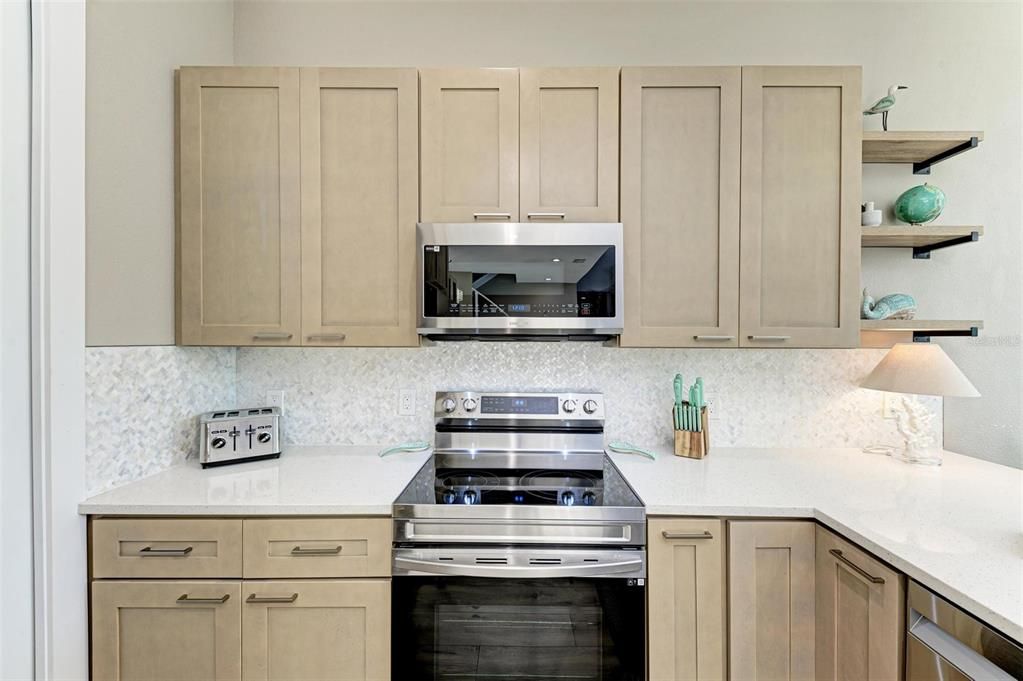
[
  {"x": 166, "y": 631},
  {"x": 686, "y": 568},
  {"x": 771, "y": 600},
  {"x": 860, "y": 613}
]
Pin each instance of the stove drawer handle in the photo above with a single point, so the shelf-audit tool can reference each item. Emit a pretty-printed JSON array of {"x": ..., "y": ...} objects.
[{"x": 515, "y": 571}]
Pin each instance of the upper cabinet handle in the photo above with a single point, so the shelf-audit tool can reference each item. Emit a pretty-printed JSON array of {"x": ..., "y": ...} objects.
[
  {"x": 545, "y": 216},
  {"x": 713, "y": 338},
  {"x": 687, "y": 535},
  {"x": 185, "y": 599},
  {"x": 491, "y": 216},
  {"x": 149, "y": 551},
  {"x": 326, "y": 337},
  {"x": 856, "y": 568},
  {"x": 272, "y": 335},
  {"x": 770, "y": 338},
  {"x": 316, "y": 551}
]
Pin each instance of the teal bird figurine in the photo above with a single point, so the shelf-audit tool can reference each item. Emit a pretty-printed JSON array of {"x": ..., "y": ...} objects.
[
  {"x": 883, "y": 105},
  {"x": 894, "y": 306}
]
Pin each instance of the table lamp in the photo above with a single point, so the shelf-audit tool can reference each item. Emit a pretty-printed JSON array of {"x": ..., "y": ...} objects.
[{"x": 918, "y": 369}]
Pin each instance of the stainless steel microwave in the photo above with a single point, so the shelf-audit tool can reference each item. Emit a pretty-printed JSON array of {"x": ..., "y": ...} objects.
[{"x": 520, "y": 281}]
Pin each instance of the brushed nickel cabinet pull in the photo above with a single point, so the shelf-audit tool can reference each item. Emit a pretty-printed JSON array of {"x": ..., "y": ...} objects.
[
  {"x": 687, "y": 535},
  {"x": 253, "y": 598},
  {"x": 150, "y": 552},
  {"x": 770, "y": 338},
  {"x": 713, "y": 338},
  {"x": 272, "y": 335},
  {"x": 545, "y": 216},
  {"x": 326, "y": 337},
  {"x": 324, "y": 551},
  {"x": 185, "y": 599},
  {"x": 491, "y": 216},
  {"x": 856, "y": 568}
]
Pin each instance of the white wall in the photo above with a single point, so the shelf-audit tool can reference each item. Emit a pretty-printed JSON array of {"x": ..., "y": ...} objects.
[{"x": 133, "y": 49}]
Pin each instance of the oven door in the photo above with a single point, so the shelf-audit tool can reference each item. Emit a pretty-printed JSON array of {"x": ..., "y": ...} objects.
[
  {"x": 510, "y": 278},
  {"x": 528, "y": 628}
]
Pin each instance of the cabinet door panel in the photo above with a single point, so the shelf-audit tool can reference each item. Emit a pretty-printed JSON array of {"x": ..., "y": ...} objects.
[
  {"x": 860, "y": 623},
  {"x": 801, "y": 176},
  {"x": 333, "y": 630},
  {"x": 686, "y": 599},
  {"x": 569, "y": 144},
  {"x": 238, "y": 182},
  {"x": 469, "y": 121},
  {"x": 359, "y": 206},
  {"x": 680, "y": 205},
  {"x": 771, "y": 597},
  {"x": 142, "y": 631}
]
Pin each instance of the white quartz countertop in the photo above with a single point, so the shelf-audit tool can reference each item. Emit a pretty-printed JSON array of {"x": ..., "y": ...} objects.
[{"x": 957, "y": 529}]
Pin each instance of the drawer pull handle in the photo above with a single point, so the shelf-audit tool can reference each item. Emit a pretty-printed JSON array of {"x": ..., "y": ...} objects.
[
  {"x": 545, "y": 216},
  {"x": 713, "y": 338},
  {"x": 325, "y": 551},
  {"x": 150, "y": 552},
  {"x": 770, "y": 338},
  {"x": 185, "y": 599},
  {"x": 687, "y": 535},
  {"x": 856, "y": 568},
  {"x": 326, "y": 337},
  {"x": 491, "y": 216},
  {"x": 272, "y": 335},
  {"x": 253, "y": 598}
]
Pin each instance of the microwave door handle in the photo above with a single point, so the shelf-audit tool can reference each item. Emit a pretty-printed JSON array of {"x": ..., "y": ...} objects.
[{"x": 516, "y": 571}]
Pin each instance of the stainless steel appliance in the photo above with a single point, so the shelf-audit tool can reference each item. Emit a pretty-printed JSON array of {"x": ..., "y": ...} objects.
[
  {"x": 237, "y": 435},
  {"x": 519, "y": 548},
  {"x": 502, "y": 281},
  {"x": 946, "y": 644}
]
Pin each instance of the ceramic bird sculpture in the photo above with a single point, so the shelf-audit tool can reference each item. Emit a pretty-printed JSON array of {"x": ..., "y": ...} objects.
[
  {"x": 883, "y": 105},
  {"x": 894, "y": 306}
]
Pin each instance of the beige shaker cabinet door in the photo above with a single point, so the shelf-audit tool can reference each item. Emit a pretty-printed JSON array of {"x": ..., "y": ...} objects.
[
  {"x": 469, "y": 126},
  {"x": 771, "y": 600},
  {"x": 316, "y": 630},
  {"x": 680, "y": 205},
  {"x": 568, "y": 144},
  {"x": 166, "y": 631},
  {"x": 800, "y": 231},
  {"x": 686, "y": 590},
  {"x": 860, "y": 614},
  {"x": 238, "y": 243},
  {"x": 360, "y": 204}
]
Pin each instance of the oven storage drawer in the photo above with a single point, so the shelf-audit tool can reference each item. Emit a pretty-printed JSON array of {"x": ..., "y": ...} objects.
[
  {"x": 317, "y": 547},
  {"x": 166, "y": 547},
  {"x": 468, "y": 531}
]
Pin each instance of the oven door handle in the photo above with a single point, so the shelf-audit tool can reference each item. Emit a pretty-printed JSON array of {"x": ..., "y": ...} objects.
[{"x": 516, "y": 571}]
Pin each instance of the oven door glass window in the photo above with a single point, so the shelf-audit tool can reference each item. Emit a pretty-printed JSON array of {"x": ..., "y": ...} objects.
[
  {"x": 519, "y": 281},
  {"x": 471, "y": 628}
]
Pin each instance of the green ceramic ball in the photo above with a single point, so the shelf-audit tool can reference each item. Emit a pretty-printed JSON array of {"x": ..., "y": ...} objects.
[{"x": 920, "y": 204}]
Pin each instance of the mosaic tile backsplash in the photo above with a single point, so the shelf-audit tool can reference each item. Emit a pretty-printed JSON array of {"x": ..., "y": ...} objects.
[{"x": 143, "y": 401}]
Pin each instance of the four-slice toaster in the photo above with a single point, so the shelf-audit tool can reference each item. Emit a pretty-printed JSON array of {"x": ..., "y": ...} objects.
[{"x": 235, "y": 435}]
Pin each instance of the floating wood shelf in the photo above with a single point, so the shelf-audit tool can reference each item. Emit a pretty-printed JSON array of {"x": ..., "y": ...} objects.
[
  {"x": 922, "y": 149},
  {"x": 922, "y": 240},
  {"x": 887, "y": 332}
]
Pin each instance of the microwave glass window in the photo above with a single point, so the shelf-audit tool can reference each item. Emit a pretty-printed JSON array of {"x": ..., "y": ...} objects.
[{"x": 519, "y": 281}]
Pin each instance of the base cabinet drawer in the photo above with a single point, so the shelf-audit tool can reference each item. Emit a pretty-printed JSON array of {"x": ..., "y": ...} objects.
[
  {"x": 339, "y": 630},
  {"x": 166, "y": 631},
  {"x": 166, "y": 547},
  {"x": 317, "y": 547}
]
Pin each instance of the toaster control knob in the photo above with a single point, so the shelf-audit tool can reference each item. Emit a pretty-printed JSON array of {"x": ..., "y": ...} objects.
[
  {"x": 568, "y": 499},
  {"x": 264, "y": 437},
  {"x": 218, "y": 443},
  {"x": 469, "y": 404},
  {"x": 590, "y": 406},
  {"x": 568, "y": 406},
  {"x": 448, "y": 405}
]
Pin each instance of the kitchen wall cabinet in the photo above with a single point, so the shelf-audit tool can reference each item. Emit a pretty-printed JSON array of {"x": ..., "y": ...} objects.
[
  {"x": 568, "y": 144},
  {"x": 680, "y": 133},
  {"x": 771, "y": 600},
  {"x": 360, "y": 203},
  {"x": 686, "y": 589},
  {"x": 469, "y": 122},
  {"x": 860, "y": 612},
  {"x": 239, "y": 280},
  {"x": 801, "y": 176}
]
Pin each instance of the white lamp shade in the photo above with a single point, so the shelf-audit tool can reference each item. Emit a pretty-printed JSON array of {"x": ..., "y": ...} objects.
[{"x": 919, "y": 369}]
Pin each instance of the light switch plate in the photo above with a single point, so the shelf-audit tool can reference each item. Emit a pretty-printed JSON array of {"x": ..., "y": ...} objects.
[{"x": 889, "y": 405}]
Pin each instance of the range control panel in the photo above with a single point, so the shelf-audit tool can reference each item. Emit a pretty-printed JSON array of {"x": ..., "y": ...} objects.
[{"x": 560, "y": 406}]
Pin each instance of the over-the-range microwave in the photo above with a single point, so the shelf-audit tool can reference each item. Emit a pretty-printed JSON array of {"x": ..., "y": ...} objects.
[{"x": 520, "y": 281}]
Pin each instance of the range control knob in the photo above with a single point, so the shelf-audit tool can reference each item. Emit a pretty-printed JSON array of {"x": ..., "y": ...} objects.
[
  {"x": 448, "y": 405},
  {"x": 218, "y": 443},
  {"x": 568, "y": 406},
  {"x": 448, "y": 496},
  {"x": 264, "y": 437},
  {"x": 589, "y": 498},
  {"x": 590, "y": 406},
  {"x": 470, "y": 497},
  {"x": 567, "y": 499},
  {"x": 469, "y": 404}
]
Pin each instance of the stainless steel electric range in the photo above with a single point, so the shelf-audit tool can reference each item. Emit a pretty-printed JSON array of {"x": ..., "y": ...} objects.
[{"x": 519, "y": 548}]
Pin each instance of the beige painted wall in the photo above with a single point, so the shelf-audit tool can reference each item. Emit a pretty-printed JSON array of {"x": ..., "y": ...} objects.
[{"x": 133, "y": 47}]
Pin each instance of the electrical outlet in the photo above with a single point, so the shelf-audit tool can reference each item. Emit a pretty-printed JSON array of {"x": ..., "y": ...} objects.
[
  {"x": 889, "y": 405},
  {"x": 275, "y": 398},
  {"x": 713, "y": 402},
  {"x": 406, "y": 402}
]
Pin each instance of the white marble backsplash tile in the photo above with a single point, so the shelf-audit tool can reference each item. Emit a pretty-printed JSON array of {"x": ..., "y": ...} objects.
[{"x": 141, "y": 407}]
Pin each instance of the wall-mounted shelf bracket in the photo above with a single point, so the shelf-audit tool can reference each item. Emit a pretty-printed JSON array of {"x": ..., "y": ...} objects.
[
  {"x": 924, "y": 167},
  {"x": 924, "y": 252},
  {"x": 925, "y": 336}
]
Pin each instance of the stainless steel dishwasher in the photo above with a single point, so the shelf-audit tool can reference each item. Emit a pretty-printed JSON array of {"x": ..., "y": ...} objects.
[{"x": 946, "y": 644}]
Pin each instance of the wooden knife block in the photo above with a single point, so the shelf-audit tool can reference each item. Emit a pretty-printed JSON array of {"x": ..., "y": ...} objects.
[{"x": 694, "y": 445}]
